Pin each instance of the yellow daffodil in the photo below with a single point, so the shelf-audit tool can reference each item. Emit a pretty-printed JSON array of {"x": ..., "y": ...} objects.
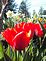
[{"x": 40, "y": 19}]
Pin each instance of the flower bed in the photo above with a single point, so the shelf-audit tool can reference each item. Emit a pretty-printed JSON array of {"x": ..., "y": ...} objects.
[{"x": 24, "y": 37}]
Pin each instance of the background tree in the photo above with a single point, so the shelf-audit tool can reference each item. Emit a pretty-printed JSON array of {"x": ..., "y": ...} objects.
[
  {"x": 41, "y": 11},
  {"x": 24, "y": 9},
  {"x": 44, "y": 12},
  {"x": 12, "y": 5},
  {"x": 34, "y": 12}
]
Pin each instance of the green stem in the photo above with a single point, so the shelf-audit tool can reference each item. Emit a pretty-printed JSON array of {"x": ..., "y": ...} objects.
[
  {"x": 20, "y": 58},
  {"x": 14, "y": 55},
  {"x": 1, "y": 52}
]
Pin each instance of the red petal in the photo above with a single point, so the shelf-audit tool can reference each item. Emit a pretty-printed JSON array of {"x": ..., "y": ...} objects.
[
  {"x": 8, "y": 34},
  {"x": 21, "y": 41},
  {"x": 44, "y": 26},
  {"x": 38, "y": 30}
]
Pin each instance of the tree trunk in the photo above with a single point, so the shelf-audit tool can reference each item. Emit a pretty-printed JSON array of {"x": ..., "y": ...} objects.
[{"x": 1, "y": 22}]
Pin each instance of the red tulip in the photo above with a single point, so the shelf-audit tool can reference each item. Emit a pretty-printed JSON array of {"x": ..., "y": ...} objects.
[
  {"x": 9, "y": 34},
  {"x": 29, "y": 26},
  {"x": 44, "y": 26},
  {"x": 21, "y": 40},
  {"x": 20, "y": 26},
  {"x": 38, "y": 30},
  {"x": 19, "y": 36}
]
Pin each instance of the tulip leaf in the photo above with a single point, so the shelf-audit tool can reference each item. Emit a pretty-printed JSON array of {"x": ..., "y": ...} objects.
[
  {"x": 8, "y": 51},
  {"x": 42, "y": 27},
  {"x": 1, "y": 51},
  {"x": 7, "y": 58}
]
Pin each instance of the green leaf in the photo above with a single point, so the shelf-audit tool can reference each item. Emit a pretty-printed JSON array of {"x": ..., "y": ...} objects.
[
  {"x": 42, "y": 27},
  {"x": 1, "y": 51},
  {"x": 8, "y": 51}
]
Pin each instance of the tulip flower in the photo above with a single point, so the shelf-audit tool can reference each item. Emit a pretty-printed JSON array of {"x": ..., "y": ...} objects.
[
  {"x": 19, "y": 36},
  {"x": 38, "y": 30},
  {"x": 44, "y": 26}
]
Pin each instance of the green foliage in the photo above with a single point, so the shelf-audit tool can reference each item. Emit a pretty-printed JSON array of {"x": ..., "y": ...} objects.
[{"x": 36, "y": 50}]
